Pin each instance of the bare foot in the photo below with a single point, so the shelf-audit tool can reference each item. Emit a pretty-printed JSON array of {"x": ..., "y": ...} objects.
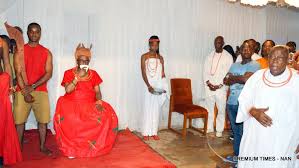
[
  {"x": 146, "y": 138},
  {"x": 46, "y": 151},
  {"x": 156, "y": 137}
]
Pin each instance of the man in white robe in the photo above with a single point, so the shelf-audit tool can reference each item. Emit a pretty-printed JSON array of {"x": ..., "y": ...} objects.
[
  {"x": 254, "y": 56},
  {"x": 216, "y": 66},
  {"x": 268, "y": 106}
]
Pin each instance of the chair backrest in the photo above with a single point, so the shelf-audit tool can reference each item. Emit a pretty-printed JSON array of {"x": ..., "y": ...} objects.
[{"x": 181, "y": 91}]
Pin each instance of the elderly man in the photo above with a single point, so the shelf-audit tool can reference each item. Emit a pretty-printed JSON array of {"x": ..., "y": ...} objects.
[
  {"x": 216, "y": 66},
  {"x": 85, "y": 125},
  {"x": 268, "y": 106}
]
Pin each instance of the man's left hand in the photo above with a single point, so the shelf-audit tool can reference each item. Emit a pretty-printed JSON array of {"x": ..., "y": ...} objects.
[
  {"x": 214, "y": 87},
  {"x": 211, "y": 86}
]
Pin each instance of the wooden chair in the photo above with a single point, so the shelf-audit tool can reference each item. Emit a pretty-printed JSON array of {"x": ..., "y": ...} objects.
[{"x": 181, "y": 102}]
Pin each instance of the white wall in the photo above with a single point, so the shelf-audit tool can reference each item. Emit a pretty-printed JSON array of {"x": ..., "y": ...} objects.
[
  {"x": 282, "y": 24},
  {"x": 119, "y": 30}
]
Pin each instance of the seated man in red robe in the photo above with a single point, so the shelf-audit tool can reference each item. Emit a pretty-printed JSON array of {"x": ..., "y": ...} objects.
[
  {"x": 9, "y": 143},
  {"x": 85, "y": 125}
]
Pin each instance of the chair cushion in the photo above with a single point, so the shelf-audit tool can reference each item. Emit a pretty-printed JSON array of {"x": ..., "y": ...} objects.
[{"x": 188, "y": 108}]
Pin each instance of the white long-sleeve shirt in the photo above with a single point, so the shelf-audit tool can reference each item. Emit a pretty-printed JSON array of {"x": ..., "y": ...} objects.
[{"x": 215, "y": 74}]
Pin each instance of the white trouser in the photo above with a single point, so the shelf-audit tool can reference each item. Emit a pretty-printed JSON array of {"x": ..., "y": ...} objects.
[{"x": 220, "y": 100}]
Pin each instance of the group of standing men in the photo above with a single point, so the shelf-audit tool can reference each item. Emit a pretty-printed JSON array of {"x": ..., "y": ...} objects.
[{"x": 261, "y": 102}]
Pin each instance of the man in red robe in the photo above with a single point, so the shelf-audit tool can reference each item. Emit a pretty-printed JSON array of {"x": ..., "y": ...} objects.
[
  {"x": 9, "y": 144},
  {"x": 85, "y": 125}
]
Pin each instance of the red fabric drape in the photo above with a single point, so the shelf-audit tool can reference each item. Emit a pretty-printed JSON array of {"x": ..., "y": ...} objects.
[{"x": 9, "y": 142}]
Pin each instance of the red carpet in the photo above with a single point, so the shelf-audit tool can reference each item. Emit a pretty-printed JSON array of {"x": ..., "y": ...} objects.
[{"x": 129, "y": 152}]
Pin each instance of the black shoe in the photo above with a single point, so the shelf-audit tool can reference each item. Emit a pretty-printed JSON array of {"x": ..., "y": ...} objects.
[
  {"x": 231, "y": 137},
  {"x": 1, "y": 161}
]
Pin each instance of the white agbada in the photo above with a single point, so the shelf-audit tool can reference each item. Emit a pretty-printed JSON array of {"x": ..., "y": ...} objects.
[
  {"x": 153, "y": 103},
  {"x": 215, "y": 74},
  {"x": 281, "y": 139},
  {"x": 254, "y": 57}
]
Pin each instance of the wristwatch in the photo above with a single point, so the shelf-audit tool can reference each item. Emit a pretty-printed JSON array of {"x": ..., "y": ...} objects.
[{"x": 33, "y": 86}]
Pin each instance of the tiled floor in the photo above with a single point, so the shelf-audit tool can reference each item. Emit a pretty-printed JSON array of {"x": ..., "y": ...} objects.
[{"x": 193, "y": 152}]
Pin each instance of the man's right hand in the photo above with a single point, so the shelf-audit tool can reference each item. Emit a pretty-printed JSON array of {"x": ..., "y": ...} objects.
[
  {"x": 27, "y": 90},
  {"x": 260, "y": 116},
  {"x": 28, "y": 98}
]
